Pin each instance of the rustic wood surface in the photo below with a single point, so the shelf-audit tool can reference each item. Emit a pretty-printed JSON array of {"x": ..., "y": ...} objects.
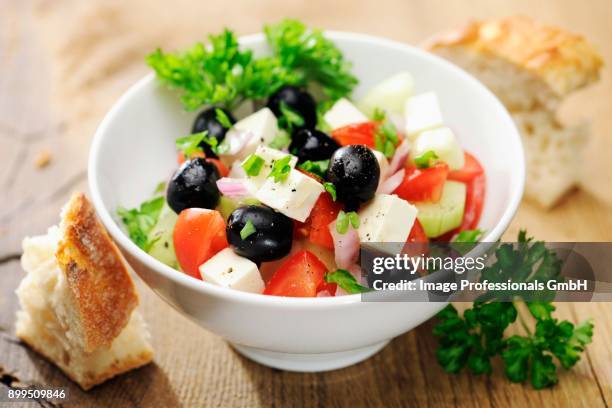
[{"x": 61, "y": 66}]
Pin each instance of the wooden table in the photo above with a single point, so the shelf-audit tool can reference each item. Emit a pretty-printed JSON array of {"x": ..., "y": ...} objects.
[{"x": 62, "y": 64}]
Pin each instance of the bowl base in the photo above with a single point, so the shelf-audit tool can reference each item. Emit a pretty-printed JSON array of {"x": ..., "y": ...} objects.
[{"x": 309, "y": 363}]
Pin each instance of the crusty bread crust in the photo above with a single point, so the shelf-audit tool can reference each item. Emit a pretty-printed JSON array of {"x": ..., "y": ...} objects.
[
  {"x": 563, "y": 60},
  {"x": 103, "y": 294}
]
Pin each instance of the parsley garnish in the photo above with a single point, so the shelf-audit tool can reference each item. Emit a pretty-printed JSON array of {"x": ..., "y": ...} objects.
[
  {"x": 289, "y": 117},
  {"x": 344, "y": 219},
  {"x": 379, "y": 115},
  {"x": 318, "y": 168},
  {"x": 252, "y": 165},
  {"x": 140, "y": 221},
  {"x": 425, "y": 160},
  {"x": 189, "y": 145},
  {"x": 247, "y": 230},
  {"x": 385, "y": 137},
  {"x": 160, "y": 188},
  {"x": 331, "y": 189},
  {"x": 468, "y": 236},
  {"x": 306, "y": 51},
  {"x": 280, "y": 141},
  {"x": 475, "y": 338},
  {"x": 281, "y": 169},
  {"x": 223, "y": 119},
  {"x": 345, "y": 280}
]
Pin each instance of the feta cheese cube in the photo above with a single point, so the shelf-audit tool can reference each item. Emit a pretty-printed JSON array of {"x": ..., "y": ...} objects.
[
  {"x": 269, "y": 156},
  {"x": 343, "y": 113},
  {"x": 422, "y": 112},
  {"x": 263, "y": 126},
  {"x": 444, "y": 143},
  {"x": 383, "y": 163},
  {"x": 386, "y": 218},
  {"x": 230, "y": 270},
  {"x": 295, "y": 197}
]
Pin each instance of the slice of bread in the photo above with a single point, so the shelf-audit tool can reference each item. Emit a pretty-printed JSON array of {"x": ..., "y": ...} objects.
[
  {"x": 531, "y": 68},
  {"x": 78, "y": 300}
]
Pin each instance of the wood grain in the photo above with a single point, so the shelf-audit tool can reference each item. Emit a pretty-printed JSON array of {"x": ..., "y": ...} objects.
[{"x": 50, "y": 100}]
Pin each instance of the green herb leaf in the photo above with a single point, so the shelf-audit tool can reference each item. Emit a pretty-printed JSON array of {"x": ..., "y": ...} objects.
[
  {"x": 281, "y": 169},
  {"x": 346, "y": 281},
  {"x": 379, "y": 115},
  {"x": 342, "y": 222},
  {"x": 247, "y": 230},
  {"x": 307, "y": 52},
  {"x": 189, "y": 145},
  {"x": 425, "y": 160},
  {"x": 354, "y": 219},
  {"x": 160, "y": 188},
  {"x": 140, "y": 221},
  {"x": 468, "y": 236},
  {"x": 385, "y": 137},
  {"x": 290, "y": 118},
  {"x": 331, "y": 189},
  {"x": 252, "y": 165},
  {"x": 223, "y": 119},
  {"x": 318, "y": 168},
  {"x": 280, "y": 141}
]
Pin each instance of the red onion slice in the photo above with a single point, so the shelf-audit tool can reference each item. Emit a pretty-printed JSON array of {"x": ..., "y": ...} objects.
[
  {"x": 232, "y": 187},
  {"x": 346, "y": 246},
  {"x": 399, "y": 158},
  {"x": 389, "y": 185}
]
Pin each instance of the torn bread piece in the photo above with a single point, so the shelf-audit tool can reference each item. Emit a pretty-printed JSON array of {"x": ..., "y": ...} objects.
[
  {"x": 530, "y": 67},
  {"x": 78, "y": 300}
]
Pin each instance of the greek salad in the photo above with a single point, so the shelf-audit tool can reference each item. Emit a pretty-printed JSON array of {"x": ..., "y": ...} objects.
[{"x": 283, "y": 176}]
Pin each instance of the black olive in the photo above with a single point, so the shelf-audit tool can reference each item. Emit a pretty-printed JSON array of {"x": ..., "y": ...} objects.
[
  {"x": 207, "y": 120},
  {"x": 272, "y": 238},
  {"x": 299, "y": 101},
  {"x": 312, "y": 145},
  {"x": 194, "y": 185},
  {"x": 355, "y": 173}
]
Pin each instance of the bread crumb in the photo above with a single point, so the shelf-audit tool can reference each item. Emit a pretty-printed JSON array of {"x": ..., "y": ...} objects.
[{"x": 43, "y": 159}]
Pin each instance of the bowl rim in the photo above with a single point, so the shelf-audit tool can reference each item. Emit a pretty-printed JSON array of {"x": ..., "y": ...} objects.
[{"x": 206, "y": 288}]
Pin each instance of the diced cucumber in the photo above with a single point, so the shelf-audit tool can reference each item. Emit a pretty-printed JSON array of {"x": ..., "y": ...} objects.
[
  {"x": 163, "y": 247},
  {"x": 227, "y": 205},
  {"x": 389, "y": 95},
  {"x": 445, "y": 215},
  {"x": 443, "y": 142}
]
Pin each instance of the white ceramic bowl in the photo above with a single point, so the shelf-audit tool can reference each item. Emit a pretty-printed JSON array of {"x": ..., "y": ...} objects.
[{"x": 133, "y": 150}]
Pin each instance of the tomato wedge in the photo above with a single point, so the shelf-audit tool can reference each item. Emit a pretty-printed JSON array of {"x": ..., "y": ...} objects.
[
  {"x": 323, "y": 213},
  {"x": 470, "y": 170},
  {"x": 198, "y": 235},
  {"x": 423, "y": 184},
  {"x": 417, "y": 233},
  {"x": 302, "y": 275},
  {"x": 223, "y": 170},
  {"x": 358, "y": 133},
  {"x": 474, "y": 201}
]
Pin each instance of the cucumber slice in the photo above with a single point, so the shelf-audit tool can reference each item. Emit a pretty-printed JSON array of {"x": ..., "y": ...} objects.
[
  {"x": 389, "y": 95},
  {"x": 227, "y": 205},
  {"x": 445, "y": 215},
  {"x": 444, "y": 143},
  {"x": 163, "y": 247}
]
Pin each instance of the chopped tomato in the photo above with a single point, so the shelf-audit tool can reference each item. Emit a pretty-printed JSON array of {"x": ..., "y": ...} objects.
[
  {"x": 358, "y": 133},
  {"x": 423, "y": 184},
  {"x": 223, "y": 170},
  {"x": 474, "y": 201},
  {"x": 471, "y": 169},
  {"x": 417, "y": 233},
  {"x": 181, "y": 156},
  {"x": 323, "y": 213},
  {"x": 311, "y": 175},
  {"x": 198, "y": 235},
  {"x": 302, "y": 275}
]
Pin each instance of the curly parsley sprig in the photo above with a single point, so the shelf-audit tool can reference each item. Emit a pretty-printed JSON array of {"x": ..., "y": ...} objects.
[{"x": 477, "y": 337}]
